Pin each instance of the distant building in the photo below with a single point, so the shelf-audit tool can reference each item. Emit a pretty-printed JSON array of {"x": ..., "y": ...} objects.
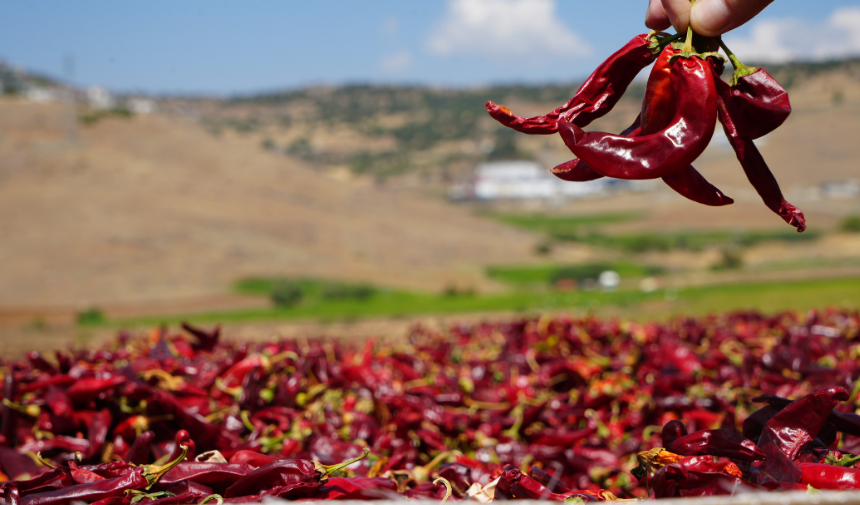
[
  {"x": 141, "y": 105},
  {"x": 529, "y": 180},
  {"x": 100, "y": 98},
  {"x": 840, "y": 190},
  {"x": 37, "y": 94}
]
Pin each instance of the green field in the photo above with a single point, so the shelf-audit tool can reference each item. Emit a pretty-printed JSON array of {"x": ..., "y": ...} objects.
[
  {"x": 692, "y": 301},
  {"x": 586, "y": 229}
]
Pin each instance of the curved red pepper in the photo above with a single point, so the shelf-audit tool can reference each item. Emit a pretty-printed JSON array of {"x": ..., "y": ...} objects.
[
  {"x": 596, "y": 97},
  {"x": 748, "y": 155},
  {"x": 719, "y": 442},
  {"x": 662, "y": 153},
  {"x": 658, "y": 108}
]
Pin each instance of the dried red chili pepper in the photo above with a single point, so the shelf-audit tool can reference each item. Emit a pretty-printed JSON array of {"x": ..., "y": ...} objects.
[
  {"x": 89, "y": 388},
  {"x": 514, "y": 485},
  {"x": 788, "y": 431},
  {"x": 596, "y": 97},
  {"x": 138, "y": 454},
  {"x": 82, "y": 475},
  {"x": 719, "y": 442},
  {"x": 658, "y": 154},
  {"x": 754, "y": 166},
  {"x": 299, "y": 474},
  {"x": 138, "y": 478},
  {"x": 183, "y": 439},
  {"x": 832, "y": 477},
  {"x": 253, "y": 458},
  {"x": 757, "y": 103},
  {"x": 218, "y": 476},
  {"x": 206, "y": 340},
  {"x": 358, "y": 488}
]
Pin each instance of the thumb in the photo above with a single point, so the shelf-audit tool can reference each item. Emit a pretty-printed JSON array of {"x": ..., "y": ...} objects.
[{"x": 715, "y": 17}]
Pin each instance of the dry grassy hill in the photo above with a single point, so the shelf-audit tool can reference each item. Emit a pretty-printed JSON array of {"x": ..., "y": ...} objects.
[
  {"x": 162, "y": 213},
  {"x": 154, "y": 208}
]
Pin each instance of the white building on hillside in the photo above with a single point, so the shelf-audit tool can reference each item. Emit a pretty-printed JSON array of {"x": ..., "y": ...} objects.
[{"x": 527, "y": 180}]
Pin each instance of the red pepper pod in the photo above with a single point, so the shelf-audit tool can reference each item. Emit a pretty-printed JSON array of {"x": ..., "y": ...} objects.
[
  {"x": 596, "y": 97},
  {"x": 90, "y": 491},
  {"x": 785, "y": 434},
  {"x": 662, "y": 153},
  {"x": 286, "y": 473},
  {"x": 687, "y": 182},
  {"x": 673, "y": 430},
  {"x": 799, "y": 423},
  {"x": 690, "y": 184},
  {"x": 752, "y": 162},
  {"x": 514, "y": 485},
  {"x": 757, "y": 104},
  {"x": 357, "y": 488},
  {"x": 719, "y": 442},
  {"x": 253, "y": 458},
  {"x": 575, "y": 170},
  {"x": 832, "y": 477}
]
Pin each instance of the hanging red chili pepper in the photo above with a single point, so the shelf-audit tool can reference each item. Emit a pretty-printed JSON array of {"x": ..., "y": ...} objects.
[
  {"x": 597, "y": 95},
  {"x": 662, "y": 153}
]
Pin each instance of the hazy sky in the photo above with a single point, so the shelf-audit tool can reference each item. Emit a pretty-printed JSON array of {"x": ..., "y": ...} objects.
[{"x": 217, "y": 46}]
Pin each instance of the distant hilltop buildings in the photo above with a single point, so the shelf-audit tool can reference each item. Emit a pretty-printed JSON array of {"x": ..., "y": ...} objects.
[
  {"x": 40, "y": 89},
  {"x": 528, "y": 180}
]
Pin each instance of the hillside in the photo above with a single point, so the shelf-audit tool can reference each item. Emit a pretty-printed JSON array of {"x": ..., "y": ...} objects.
[
  {"x": 162, "y": 213},
  {"x": 155, "y": 208}
]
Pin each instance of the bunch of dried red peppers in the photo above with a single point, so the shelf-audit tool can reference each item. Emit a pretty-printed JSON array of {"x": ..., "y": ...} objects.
[
  {"x": 683, "y": 100},
  {"x": 549, "y": 408}
]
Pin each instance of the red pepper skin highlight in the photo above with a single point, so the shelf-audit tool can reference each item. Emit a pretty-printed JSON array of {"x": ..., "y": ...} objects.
[
  {"x": 754, "y": 165},
  {"x": 662, "y": 153},
  {"x": 596, "y": 97}
]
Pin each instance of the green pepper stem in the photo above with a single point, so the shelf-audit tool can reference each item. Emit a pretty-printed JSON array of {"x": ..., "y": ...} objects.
[
  {"x": 688, "y": 44},
  {"x": 422, "y": 472},
  {"x": 741, "y": 70},
  {"x": 152, "y": 472},
  {"x": 328, "y": 470},
  {"x": 217, "y": 497},
  {"x": 44, "y": 462}
]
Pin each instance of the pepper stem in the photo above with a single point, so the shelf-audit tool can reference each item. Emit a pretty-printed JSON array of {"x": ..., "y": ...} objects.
[
  {"x": 421, "y": 473},
  {"x": 44, "y": 462},
  {"x": 217, "y": 497},
  {"x": 330, "y": 469},
  {"x": 741, "y": 70},
  {"x": 152, "y": 472},
  {"x": 443, "y": 480},
  {"x": 688, "y": 44}
]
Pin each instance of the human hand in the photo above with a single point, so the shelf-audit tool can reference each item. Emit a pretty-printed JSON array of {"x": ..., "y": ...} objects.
[{"x": 708, "y": 17}]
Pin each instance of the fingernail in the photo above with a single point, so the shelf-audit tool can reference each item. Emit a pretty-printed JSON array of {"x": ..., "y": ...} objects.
[{"x": 710, "y": 17}]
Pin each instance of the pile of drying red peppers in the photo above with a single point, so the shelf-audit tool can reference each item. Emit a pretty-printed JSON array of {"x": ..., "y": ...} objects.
[
  {"x": 684, "y": 98},
  {"x": 550, "y": 408}
]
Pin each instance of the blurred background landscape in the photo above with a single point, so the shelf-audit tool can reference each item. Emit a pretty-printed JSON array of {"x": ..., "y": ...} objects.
[{"x": 366, "y": 201}]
